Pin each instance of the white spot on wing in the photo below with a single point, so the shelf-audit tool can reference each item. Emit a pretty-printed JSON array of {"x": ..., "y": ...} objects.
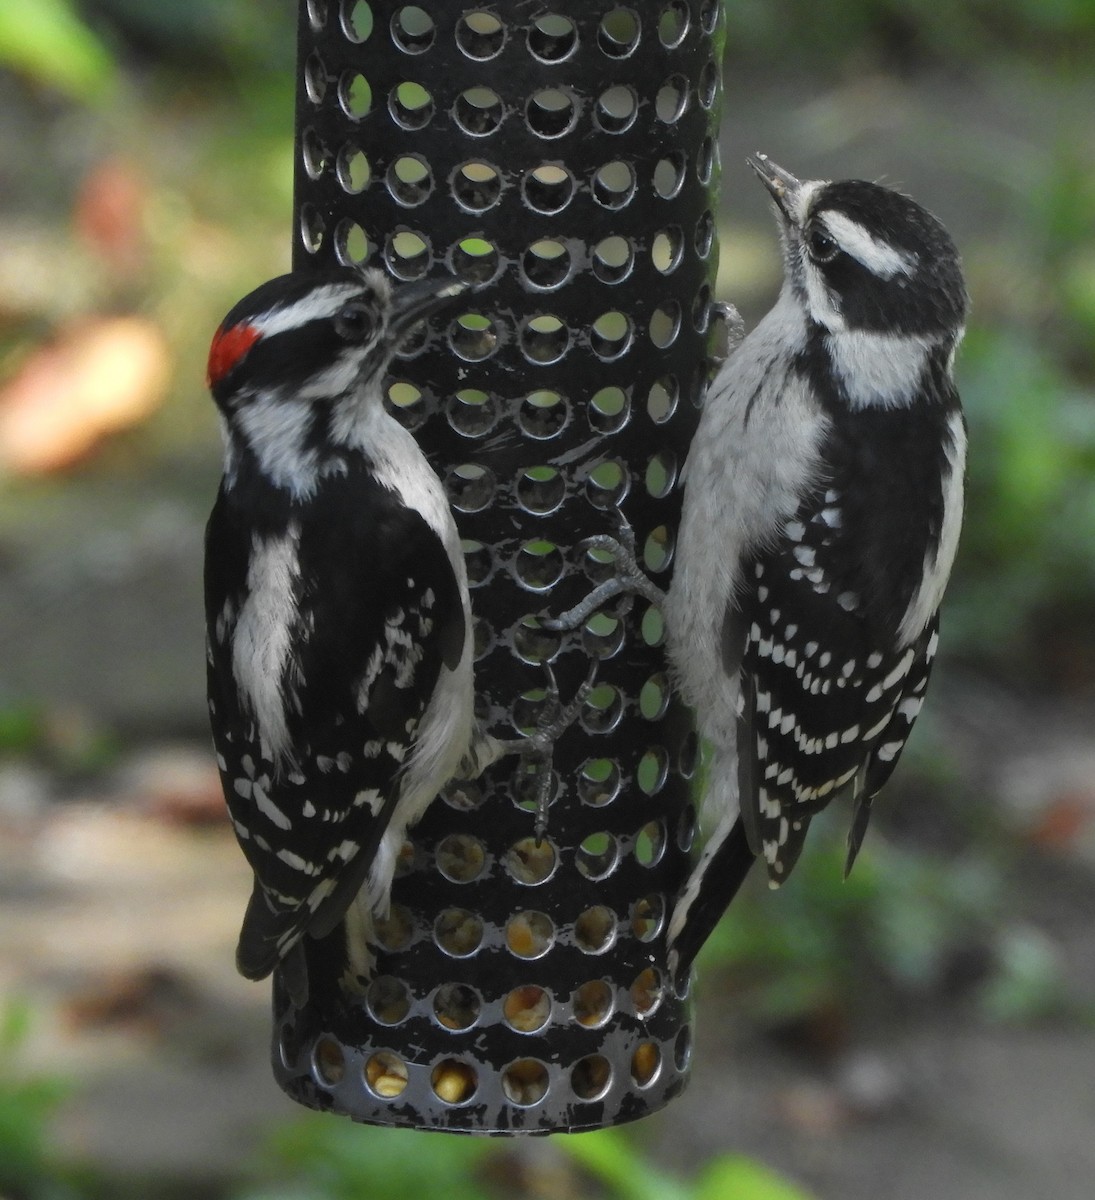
[
  {"x": 269, "y": 809},
  {"x": 296, "y": 862},
  {"x": 320, "y": 893},
  {"x": 370, "y": 797}
]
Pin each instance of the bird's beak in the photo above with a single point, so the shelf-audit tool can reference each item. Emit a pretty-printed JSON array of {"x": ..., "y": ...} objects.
[
  {"x": 780, "y": 183},
  {"x": 412, "y": 302}
]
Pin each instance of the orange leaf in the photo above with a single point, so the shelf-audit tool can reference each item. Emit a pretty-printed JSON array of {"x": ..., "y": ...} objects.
[{"x": 97, "y": 376}]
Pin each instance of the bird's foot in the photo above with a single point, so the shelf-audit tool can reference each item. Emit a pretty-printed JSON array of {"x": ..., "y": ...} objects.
[
  {"x": 539, "y": 747},
  {"x": 732, "y": 331},
  {"x": 629, "y": 580},
  {"x": 536, "y": 748}
]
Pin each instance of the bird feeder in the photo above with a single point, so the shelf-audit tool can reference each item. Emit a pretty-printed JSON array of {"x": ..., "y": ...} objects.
[{"x": 563, "y": 154}]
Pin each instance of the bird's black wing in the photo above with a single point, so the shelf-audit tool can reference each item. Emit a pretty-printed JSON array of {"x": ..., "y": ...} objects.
[
  {"x": 375, "y": 616},
  {"x": 830, "y": 686}
]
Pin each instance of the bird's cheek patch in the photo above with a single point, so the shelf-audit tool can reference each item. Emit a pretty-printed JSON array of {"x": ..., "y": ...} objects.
[{"x": 229, "y": 346}]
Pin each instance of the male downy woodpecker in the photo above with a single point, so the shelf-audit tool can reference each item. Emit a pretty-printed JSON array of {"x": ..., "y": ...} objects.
[
  {"x": 822, "y": 508},
  {"x": 339, "y": 634}
]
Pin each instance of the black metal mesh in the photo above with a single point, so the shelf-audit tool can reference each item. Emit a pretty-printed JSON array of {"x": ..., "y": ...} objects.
[{"x": 566, "y": 155}]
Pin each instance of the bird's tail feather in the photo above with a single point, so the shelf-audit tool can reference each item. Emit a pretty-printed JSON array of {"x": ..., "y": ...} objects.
[{"x": 711, "y": 887}]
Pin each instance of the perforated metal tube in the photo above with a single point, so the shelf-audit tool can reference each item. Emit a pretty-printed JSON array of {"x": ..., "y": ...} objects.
[{"x": 565, "y": 153}]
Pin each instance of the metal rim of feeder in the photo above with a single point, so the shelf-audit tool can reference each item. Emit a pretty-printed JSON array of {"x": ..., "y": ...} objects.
[{"x": 566, "y": 156}]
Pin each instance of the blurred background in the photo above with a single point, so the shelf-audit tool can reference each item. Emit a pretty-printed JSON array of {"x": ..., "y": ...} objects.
[{"x": 924, "y": 1030}]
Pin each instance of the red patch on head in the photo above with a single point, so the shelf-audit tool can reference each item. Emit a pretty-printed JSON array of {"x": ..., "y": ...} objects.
[{"x": 229, "y": 346}]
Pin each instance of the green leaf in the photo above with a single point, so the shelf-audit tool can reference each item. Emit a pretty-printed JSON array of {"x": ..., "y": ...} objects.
[
  {"x": 612, "y": 1158},
  {"x": 47, "y": 41},
  {"x": 734, "y": 1177}
]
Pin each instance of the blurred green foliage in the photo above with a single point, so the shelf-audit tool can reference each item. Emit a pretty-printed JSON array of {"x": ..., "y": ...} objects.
[
  {"x": 1028, "y": 552},
  {"x": 316, "y": 1158},
  {"x": 1027, "y": 376},
  {"x": 611, "y": 1158},
  {"x": 910, "y": 32},
  {"x": 903, "y": 927},
  {"x": 28, "y": 1167},
  {"x": 49, "y": 43}
]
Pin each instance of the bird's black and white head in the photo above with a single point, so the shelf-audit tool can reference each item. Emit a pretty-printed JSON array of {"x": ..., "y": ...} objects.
[
  {"x": 295, "y": 365},
  {"x": 862, "y": 257}
]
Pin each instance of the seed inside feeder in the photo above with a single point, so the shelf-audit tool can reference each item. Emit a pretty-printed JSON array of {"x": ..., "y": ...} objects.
[
  {"x": 527, "y": 1008},
  {"x": 458, "y": 932},
  {"x": 453, "y": 1081},
  {"x": 386, "y": 1074},
  {"x": 645, "y": 1063},
  {"x": 525, "y": 1081},
  {"x": 529, "y": 934},
  {"x": 592, "y": 1003},
  {"x": 530, "y": 863}
]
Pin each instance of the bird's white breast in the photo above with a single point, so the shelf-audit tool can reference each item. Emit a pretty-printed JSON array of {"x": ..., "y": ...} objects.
[{"x": 754, "y": 453}]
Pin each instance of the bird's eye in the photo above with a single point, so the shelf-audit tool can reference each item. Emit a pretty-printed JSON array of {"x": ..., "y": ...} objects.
[
  {"x": 821, "y": 247},
  {"x": 354, "y": 322}
]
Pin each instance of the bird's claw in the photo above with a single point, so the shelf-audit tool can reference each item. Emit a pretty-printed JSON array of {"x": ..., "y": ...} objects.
[
  {"x": 555, "y": 719},
  {"x": 731, "y": 331},
  {"x": 627, "y": 581}
]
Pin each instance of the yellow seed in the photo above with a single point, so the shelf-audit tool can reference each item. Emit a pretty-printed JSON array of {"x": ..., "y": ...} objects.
[
  {"x": 386, "y": 1075},
  {"x": 519, "y": 936},
  {"x": 389, "y": 1085},
  {"x": 525, "y": 1081},
  {"x": 453, "y": 1082},
  {"x": 526, "y": 1008},
  {"x": 646, "y": 991},
  {"x": 644, "y": 1062},
  {"x": 592, "y": 1003}
]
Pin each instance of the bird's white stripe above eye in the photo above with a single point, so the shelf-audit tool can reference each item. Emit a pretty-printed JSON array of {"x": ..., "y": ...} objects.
[
  {"x": 880, "y": 258},
  {"x": 315, "y": 306}
]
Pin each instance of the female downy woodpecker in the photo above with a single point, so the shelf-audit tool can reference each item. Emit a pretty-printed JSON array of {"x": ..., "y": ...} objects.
[
  {"x": 822, "y": 507},
  {"x": 339, "y": 626}
]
